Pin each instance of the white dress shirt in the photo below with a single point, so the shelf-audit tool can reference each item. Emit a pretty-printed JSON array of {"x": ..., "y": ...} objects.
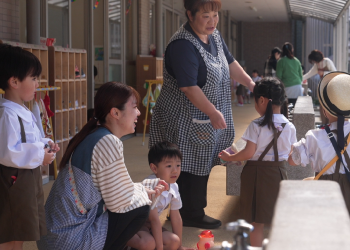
[
  {"x": 262, "y": 136},
  {"x": 317, "y": 150},
  {"x": 171, "y": 197},
  {"x": 14, "y": 153}
]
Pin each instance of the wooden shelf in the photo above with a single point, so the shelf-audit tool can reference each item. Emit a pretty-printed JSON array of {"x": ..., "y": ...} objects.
[{"x": 69, "y": 102}]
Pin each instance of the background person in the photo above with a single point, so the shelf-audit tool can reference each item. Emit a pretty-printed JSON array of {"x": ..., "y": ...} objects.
[
  {"x": 193, "y": 110},
  {"x": 290, "y": 73},
  {"x": 322, "y": 66},
  {"x": 271, "y": 62}
]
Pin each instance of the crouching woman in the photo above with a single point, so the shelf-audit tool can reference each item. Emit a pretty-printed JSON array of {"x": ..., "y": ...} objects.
[{"x": 94, "y": 204}]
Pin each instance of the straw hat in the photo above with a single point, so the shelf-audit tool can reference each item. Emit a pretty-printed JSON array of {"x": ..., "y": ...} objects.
[{"x": 334, "y": 93}]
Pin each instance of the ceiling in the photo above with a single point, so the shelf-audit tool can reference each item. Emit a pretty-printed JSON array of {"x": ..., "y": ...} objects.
[
  {"x": 327, "y": 10},
  {"x": 257, "y": 10}
]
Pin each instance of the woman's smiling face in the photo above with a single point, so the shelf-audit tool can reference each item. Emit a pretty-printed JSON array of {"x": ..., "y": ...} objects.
[{"x": 129, "y": 116}]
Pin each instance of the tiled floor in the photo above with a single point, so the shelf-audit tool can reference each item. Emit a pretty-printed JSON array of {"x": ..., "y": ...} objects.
[{"x": 220, "y": 205}]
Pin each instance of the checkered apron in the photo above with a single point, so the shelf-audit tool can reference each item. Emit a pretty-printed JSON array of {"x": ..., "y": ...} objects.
[{"x": 177, "y": 120}]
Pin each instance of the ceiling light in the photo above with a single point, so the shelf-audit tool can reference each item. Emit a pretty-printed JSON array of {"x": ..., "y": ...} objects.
[
  {"x": 253, "y": 8},
  {"x": 260, "y": 17}
]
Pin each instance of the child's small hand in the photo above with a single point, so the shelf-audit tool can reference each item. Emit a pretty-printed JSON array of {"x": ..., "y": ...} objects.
[
  {"x": 48, "y": 157},
  {"x": 54, "y": 147},
  {"x": 161, "y": 186},
  {"x": 224, "y": 155}
]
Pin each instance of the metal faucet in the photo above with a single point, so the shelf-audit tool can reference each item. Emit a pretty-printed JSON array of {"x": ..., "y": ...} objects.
[{"x": 241, "y": 231}]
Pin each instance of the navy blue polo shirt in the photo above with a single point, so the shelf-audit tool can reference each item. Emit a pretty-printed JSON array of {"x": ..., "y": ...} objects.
[{"x": 184, "y": 62}]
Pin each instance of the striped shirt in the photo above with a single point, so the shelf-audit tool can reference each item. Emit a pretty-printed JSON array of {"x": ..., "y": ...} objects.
[{"x": 111, "y": 178}]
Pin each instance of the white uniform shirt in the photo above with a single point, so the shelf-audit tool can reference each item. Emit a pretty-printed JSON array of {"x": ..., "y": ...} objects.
[
  {"x": 14, "y": 153},
  {"x": 317, "y": 150},
  {"x": 262, "y": 136},
  {"x": 171, "y": 197}
]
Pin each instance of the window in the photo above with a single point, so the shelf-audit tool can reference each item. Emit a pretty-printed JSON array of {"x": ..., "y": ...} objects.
[{"x": 58, "y": 15}]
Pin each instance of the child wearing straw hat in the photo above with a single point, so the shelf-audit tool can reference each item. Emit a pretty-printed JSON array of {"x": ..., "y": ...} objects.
[{"x": 321, "y": 146}]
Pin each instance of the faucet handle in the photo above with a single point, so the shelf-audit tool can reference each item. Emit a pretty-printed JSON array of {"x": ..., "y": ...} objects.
[{"x": 239, "y": 226}]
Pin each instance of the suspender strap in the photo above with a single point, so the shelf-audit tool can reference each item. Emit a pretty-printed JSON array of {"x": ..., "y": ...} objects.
[
  {"x": 339, "y": 157},
  {"x": 332, "y": 161},
  {"x": 273, "y": 143},
  {"x": 23, "y": 134},
  {"x": 334, "y": 143}
]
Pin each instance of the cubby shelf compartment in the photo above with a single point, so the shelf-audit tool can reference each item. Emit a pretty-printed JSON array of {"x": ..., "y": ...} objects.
[{"x": 69, "y": 104}]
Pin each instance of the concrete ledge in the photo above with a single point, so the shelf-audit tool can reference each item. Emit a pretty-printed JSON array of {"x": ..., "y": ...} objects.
[
  {"x": 303, "y": 120},
  {"x": 310, "y": 215}
]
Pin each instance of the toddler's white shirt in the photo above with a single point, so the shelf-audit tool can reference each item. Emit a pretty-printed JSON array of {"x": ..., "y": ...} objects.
[
  {"x": 171, "y": 197},
  {"x": 262, "y": 136},
  {"x": 14, "y": 153},
  {"x": 317, "y": 150}
]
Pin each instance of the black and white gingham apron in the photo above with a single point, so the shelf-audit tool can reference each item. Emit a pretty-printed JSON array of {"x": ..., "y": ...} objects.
[{"x": 177, "y": 120}]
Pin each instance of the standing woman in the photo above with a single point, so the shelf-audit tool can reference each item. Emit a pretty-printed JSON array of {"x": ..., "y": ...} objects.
[
  {"x": 94, "y": 204},
  {"x": 271, "y": 63},
  {"x": 290, "y": 73},
  {"x": 194, "y": 106}
]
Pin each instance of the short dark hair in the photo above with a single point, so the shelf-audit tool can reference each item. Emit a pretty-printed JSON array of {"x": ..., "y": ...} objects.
[
  {"x": 161, "y": 150},
  {"x": 255, "y": 71},
  {"x": 195, "y": 5},
  {"x": 17, "y": 62},
  {"x": 316, "y": 56}
]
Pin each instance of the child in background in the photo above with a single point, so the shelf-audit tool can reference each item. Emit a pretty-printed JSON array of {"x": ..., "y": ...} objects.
[
  {"x": 165, "y": 162},
  {"x": 22, "y": 151},
  {"x": 240, "y": 92},
  {"x": 316, "y": 148},
  {"x": 255, "y": 78},
  {"x": 269, "y": 139}
]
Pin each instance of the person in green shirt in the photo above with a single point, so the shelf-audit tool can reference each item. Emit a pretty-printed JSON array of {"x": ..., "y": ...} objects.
[{"x": 290, "y": 73}]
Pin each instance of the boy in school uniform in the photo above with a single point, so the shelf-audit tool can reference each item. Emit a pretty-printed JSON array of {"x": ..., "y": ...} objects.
[
  {"x": 165, "y": 162},
  {"x": 22, "y": 151},
  {"x": 320, "y": 146}
]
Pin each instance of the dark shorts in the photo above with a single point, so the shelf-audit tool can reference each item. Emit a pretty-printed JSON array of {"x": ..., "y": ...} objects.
[{"x": 22, "y": 213}]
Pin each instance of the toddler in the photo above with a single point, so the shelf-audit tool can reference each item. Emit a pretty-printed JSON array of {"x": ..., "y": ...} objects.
[{"x": 165, "y": 162}]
